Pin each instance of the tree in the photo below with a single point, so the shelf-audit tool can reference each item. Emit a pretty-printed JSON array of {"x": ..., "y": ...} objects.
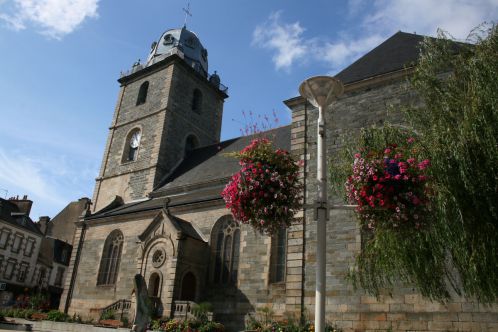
[{"x": 457, "y": 130}]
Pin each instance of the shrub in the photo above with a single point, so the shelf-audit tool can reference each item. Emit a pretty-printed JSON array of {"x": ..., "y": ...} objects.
[
  {"x": 108, "y": 314},
  {"x": 57, "y": 316},
  {"x": 211, "y": 327}
]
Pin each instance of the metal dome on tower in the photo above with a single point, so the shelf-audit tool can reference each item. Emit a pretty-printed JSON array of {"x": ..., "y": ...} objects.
[{"x": 186, "y": 42}]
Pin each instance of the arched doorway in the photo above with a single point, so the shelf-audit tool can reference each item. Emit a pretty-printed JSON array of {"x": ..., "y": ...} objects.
[
  {"x": 188, "y": 287},
  {"x": 154, "y": 282}
]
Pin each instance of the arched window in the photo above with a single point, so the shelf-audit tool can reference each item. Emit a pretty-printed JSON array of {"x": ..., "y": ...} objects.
[
  {"x": 197, "y": 101},
  {"x": 154, "y": 282},
  {"x": 190, "y": 143},
  {"x": 111, "y": 256},
  {"x": 225, "y": 245},
  {"x": 277, "y": 256},
  {"x": 132, "y": 144},
  {"x": 142, "y": 93}
]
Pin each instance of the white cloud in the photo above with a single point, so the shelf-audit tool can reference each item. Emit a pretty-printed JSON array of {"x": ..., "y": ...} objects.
[
  {"x": 373, "y": 22},
  {"x": 457, "y": 17},
  {"x": 284, "y": 39},
  {"x": 54, "y": 18},
  {"x": 289, "y": 45},
  {"x": 51, "y": 180},
  {"x": 343, "y": 52},
  {"x": 26, "y": 175}
]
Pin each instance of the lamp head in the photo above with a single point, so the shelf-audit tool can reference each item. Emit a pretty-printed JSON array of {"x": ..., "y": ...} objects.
[{"x": 320, "y": 91}]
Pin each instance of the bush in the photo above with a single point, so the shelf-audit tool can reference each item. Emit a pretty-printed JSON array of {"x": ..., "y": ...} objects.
[
  {"x": 211, "y": 327},
  {"x": 76, "y": 319},
  {"x": 108, "y": 314},
  {"x": 57, "y": 316},
  {"x": 201, "y": 310},
  {"x": 457, "y": 130},
  {"x": 39, "y": 301}
]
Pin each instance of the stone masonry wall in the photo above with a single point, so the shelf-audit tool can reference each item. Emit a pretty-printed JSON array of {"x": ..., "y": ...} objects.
[
  {"x": 253, "y": 289},
  {"x": 165, "y": 120},
  {"x": 87, "y": 295},
  {"x": 354, "y": 310},
  {"x": 115, "y": 175}
]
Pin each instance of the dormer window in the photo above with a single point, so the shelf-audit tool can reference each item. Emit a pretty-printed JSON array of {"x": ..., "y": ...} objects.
[
  {"x": 168, "y": 39},
  {"x": 197, "y": 101},
  {"x": 130, "y": 152},
  {"x": 142, "y": 93}
]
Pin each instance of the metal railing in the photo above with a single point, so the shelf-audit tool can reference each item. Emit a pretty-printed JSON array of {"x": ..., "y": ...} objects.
[
  {"x": 186, "y": 310},
  {"x": 138, "y": 66},
  {"x": 120, "y": 307}
]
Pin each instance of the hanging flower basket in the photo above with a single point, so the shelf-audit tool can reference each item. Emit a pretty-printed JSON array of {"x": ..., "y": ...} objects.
[
  {"x": 266, "y": 192},
  {"x": 390, "y": 188}
]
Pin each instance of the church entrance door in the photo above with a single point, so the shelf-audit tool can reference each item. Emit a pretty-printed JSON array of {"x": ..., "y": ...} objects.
[{"x": 188, "y": 287}]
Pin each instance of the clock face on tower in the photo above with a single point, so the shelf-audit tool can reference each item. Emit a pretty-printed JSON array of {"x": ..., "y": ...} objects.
[{"x": 135, "y": 140}]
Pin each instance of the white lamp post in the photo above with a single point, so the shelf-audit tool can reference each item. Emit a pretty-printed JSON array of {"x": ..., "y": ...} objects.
[{"x": 320, "y": 91}]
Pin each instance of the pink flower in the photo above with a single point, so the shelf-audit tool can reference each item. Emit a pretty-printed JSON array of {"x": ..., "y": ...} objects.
[
  {"x": 410, "y": 140},
  {"x": 387, "y": 151}
]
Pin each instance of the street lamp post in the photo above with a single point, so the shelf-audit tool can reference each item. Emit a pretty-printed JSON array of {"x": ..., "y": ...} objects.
[{"x": 320, "y": 91}]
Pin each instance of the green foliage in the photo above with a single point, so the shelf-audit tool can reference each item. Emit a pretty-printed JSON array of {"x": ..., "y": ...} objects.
[
  {"x": 174, "y": 325},
  {"x": 460, "y": 129},
  {"x": 264, "y": 321},
  {"x": 457, "y": 130},
  {"x": 108, "y": 314},
  {"x": 266, "y": 192},
  {"x": 18, "y": 313},
  {"x": 125, "y": 321},
  {"x": 39, "y": 301},
  {"x": 201, "y": 311},
  {"x": 57, "y": 316},
  {"x": 76, "y": 319}
]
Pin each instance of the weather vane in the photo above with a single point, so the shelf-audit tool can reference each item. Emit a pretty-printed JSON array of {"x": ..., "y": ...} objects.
[{"x": 187, "y": 13}]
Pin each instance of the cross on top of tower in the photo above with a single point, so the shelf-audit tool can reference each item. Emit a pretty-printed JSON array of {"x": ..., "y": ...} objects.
[{"x": 187, "y": 13}]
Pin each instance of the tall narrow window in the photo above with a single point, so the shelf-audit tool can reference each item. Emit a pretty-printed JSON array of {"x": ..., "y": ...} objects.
[
  {"x": 4, "y": 238},
  {"x": 30, "y": 244},
  {"x": 197, "y": 101},
  {"x": 16, "y": 245},
  {"x": 142, "y": 93},
  {"x": 111, "y": 256},
  {"x": 9, "y": 268},
  {"x": 277, "y": 257},
  {"x": 225, "y": 244},
  {"x": 23, "y": 271},
  {"x": 58, "y": 276},
  {"x": 41, "y": 277},
  {"x": 132, "y": 144}
]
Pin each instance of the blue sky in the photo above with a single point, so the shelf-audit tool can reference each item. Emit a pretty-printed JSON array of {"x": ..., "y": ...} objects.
[{"x": 61, "y": 59}]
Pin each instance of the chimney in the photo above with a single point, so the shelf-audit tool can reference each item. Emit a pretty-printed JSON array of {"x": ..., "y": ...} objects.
[
  {"x": 24, "y": 204},
  {"x": 43, "y": 224}
]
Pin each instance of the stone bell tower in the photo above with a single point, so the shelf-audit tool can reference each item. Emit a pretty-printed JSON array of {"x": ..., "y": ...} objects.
[{"x": 165, "y": 108}]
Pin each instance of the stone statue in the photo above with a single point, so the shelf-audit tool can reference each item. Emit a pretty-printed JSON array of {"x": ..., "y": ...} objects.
[{"x": 142, "y": 311}]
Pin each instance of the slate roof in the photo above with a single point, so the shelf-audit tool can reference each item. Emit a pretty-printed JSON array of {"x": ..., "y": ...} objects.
[
  {"x": 144, "y": 205},
  {"x": 186, "y": 228},
  {"x": 9, "y": 213},
  {"x": 205, "y": 164},
  {"x": 210, "y": 163},
  {"x": 399, "y": 51}
]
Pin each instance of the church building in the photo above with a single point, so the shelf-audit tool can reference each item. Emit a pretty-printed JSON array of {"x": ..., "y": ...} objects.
[{"x": 157, "y": 208}]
